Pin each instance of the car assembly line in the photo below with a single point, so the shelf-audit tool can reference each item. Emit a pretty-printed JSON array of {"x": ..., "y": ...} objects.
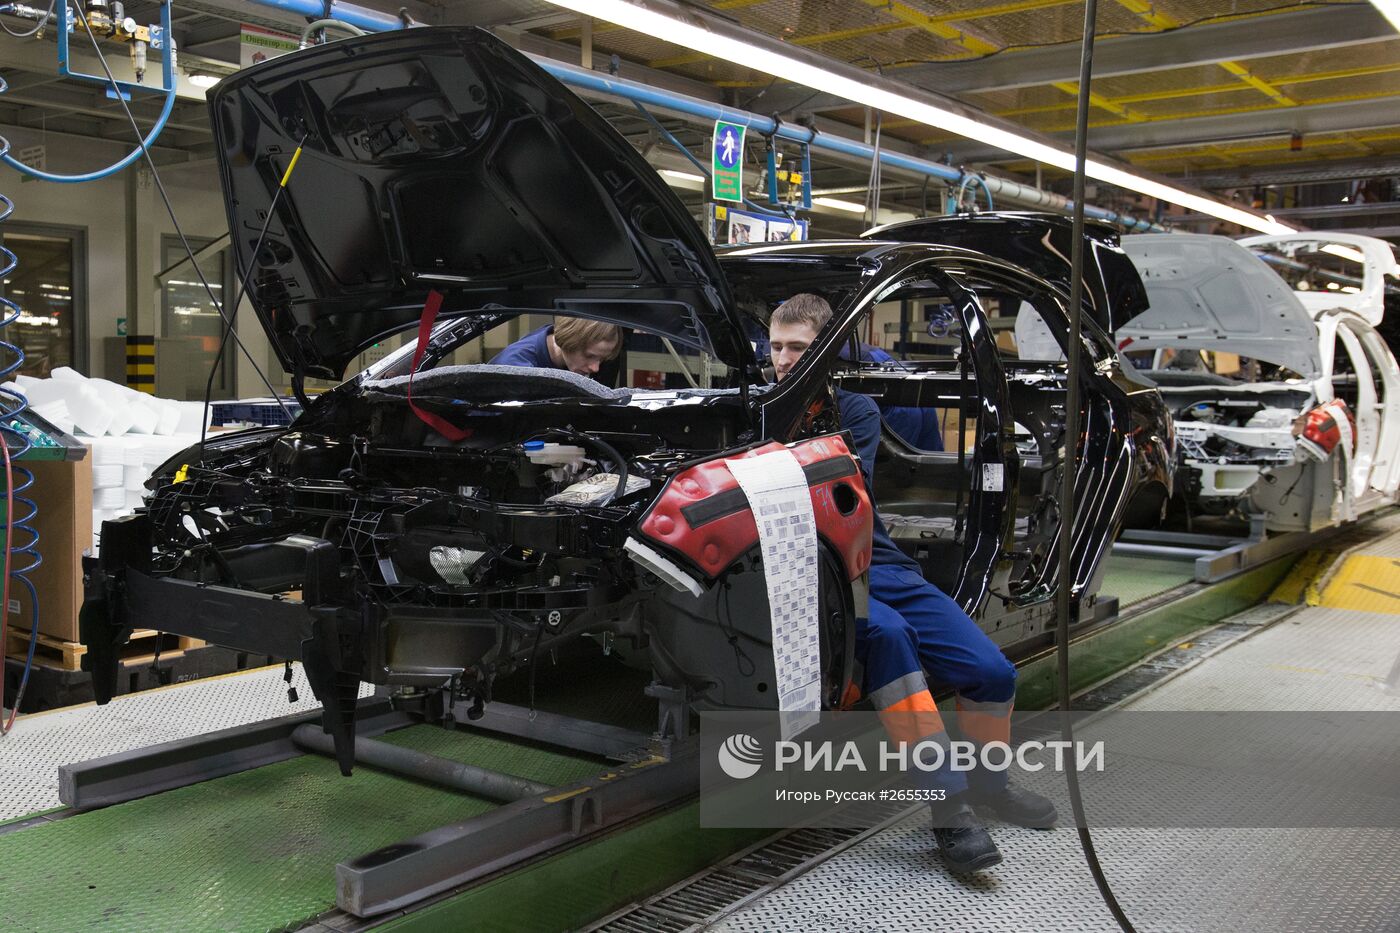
[{"x": 460, "y": 626}]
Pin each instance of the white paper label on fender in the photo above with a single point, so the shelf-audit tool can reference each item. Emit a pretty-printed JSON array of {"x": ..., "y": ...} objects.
[
  {"x": 993, "y": 477},
  {"x": 781, "y": 503}
]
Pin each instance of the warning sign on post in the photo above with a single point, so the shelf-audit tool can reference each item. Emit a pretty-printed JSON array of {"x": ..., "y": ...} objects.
[{"x": 728, "y": 162}]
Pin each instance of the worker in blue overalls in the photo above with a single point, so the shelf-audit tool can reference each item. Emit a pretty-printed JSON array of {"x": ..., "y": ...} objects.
[
  {"x": 576, "y": 344},
  {"x": 916, "y": 632},
  {"x": 918, "y": 426}
]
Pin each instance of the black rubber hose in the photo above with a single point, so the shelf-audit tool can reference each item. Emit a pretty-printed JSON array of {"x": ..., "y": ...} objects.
[
  {"x": 1064, "y": 593},
  {"x": 608, "y": 450}
]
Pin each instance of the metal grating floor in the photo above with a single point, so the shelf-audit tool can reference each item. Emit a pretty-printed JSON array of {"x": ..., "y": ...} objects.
[
  {"x": 1168, "y": 880},
  {"x": 32, "y": 753}
]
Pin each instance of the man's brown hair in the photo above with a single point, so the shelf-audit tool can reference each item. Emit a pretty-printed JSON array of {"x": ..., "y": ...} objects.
[
  {"x": 576, "y": 335},
  {"x": 804, "y": 308}
]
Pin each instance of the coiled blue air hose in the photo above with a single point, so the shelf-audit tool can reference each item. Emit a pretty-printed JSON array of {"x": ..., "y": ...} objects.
[{"x": 12, "y": 403}]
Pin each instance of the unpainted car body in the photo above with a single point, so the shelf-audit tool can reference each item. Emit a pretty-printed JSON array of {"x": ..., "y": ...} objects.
[{"x": 1253, "y": 371}]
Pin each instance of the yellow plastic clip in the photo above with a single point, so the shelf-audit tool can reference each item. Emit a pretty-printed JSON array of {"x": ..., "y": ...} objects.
[{"x": 183, "y": 473}]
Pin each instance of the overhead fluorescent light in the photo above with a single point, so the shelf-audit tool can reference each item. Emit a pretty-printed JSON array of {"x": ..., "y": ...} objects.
[
  {"x": 695, "y": 36},
  {"x": 1346, "y": 252},
  {"x": 1390, "y": 9},
  {"x": 203, "y": 79},
  {"x": 683, "y": 176},
  {"x": 840, "y": 205}
]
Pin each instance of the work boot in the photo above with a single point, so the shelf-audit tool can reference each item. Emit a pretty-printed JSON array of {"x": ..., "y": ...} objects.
[
  {"x": 1017, "y": 805},
  {"x": 963, "y": 841}
]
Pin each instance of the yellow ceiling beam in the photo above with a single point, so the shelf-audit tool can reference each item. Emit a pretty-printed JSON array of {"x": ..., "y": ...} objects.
[
  {"x": 1258, "y": 83},
  {"x": 938, "y": 27},
  {"x": 1364, "y": 72},
  {"x": 1202, "y": 90},
  {"x": 1098, "y": 100},
  {"x": 1273, "y": 144},
  {"x": 1144, "y": 10}
]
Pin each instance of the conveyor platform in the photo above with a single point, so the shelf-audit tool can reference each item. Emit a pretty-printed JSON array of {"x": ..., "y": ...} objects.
[{"x": 259, "y": 849}]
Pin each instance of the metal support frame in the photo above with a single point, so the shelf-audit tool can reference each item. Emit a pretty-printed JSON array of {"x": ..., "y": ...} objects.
[
  {"x": 441, "y": 859},
  {"x": 160, "y": 41},
  {"x": 1219, "y": 557},
  {"x": 657, "y": 771},
  {"x": 101, "y": 782},
  {"x": 592, "y": 738}
]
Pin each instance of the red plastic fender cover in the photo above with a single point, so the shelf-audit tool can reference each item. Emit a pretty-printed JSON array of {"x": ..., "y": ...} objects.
[
  {"x": 1327, "y": 426},
  {"x": 704, "y": 516}
]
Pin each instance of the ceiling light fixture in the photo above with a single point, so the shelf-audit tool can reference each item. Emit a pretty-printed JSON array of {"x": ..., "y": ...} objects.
[
  {"x": 202, "y": 79},
  {"x": 1390, "y": 9},
  {"x": 683, "y": 176},
  {"x": 840, "y": 205},
  {"x": 1346, "y": 252},
  {"x": 695, "y": 36}
]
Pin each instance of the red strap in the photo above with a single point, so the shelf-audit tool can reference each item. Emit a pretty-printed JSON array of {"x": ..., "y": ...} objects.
[{"x": 425, "y": 328}]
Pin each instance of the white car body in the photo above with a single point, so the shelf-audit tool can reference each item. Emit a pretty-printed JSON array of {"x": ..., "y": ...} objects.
[{"x": 1212, "y": 297}]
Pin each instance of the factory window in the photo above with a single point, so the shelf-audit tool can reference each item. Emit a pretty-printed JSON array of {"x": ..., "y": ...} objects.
[
  {"x": 190, "y": 322},
  {"x": 47, "y": 284}
]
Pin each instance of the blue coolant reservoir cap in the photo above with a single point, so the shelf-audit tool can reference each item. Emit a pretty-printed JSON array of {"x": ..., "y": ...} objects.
[{"x": 533, "y": 445}]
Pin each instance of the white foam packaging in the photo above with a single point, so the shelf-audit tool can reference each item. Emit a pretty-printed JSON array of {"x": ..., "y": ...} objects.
[
  {"x": 192, "y": 417},
  {"x": 144, "y": 419},
  {"x": 56, "y": 413},
  {"x": 111, "y": 497},
  {"x": 105, "y": 450},
  {"x": 168, "y": 421},
  {"x": 107, "y": 475}
]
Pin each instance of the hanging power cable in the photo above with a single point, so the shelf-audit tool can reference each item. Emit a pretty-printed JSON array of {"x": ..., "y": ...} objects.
[
  {"x": 170, "y": 210},
  {"x": 238, "y": 293},
  {"x": 1065, "y": 592}
]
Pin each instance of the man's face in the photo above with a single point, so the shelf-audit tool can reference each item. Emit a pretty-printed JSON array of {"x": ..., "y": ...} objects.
[
  {"x": 586, "y": 362},
  {"x": 787, "y": 343}
]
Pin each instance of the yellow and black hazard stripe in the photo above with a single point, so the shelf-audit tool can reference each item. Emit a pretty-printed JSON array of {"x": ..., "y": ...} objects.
[{"x": 141, "y": 364}]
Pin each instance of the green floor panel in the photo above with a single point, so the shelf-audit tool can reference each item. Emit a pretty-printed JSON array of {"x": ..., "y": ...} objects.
[
  {"x": 1133, "y": 579},
  {"x": 253, "y": 851},
  {"x": 589, "y": 881}
]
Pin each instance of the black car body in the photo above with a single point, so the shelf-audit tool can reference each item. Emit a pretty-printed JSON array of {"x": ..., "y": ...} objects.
[{"x": 373, "y": 548}]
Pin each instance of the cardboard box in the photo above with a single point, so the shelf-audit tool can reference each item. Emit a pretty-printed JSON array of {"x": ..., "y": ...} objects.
[{"x": 63, "y": 492}]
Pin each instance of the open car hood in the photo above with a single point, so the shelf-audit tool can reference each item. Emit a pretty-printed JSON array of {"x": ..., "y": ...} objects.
[
  {"x": 440, "y": 158},
  {"x": 1346, "y": 255},
  {"x": 1041, "y": 244},
  {"x": 1211, "y": 293}
]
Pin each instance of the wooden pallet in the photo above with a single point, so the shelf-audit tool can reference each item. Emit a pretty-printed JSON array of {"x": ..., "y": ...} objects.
[{"x": 68, "y": 655}]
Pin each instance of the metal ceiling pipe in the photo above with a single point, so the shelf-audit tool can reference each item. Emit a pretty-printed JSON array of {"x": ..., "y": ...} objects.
[
  {"x": 480, "y": 782},
  {"x": 707, "y": 111},
  {"x": 352, "y": 13},
  {"x": 1001, "y": 188}
]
